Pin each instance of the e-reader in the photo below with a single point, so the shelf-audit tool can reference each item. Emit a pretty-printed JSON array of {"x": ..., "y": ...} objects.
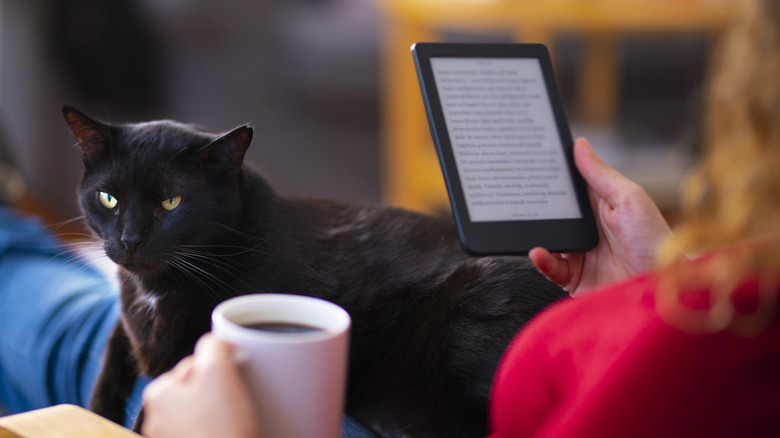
[{"x": 505, "y": 148}]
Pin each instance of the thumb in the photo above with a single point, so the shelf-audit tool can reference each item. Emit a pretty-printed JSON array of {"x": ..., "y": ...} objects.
[
  {"x": 555, "y": 268},
  {"x": 601, "y": 178},
  {"x": 212, "y": 351}
]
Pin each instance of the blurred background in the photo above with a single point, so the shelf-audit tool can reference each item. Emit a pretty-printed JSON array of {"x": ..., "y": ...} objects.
[{"x": 330, "y": 88}]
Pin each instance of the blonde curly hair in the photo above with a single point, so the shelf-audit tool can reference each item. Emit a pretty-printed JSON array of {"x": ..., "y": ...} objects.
[{"x": 734, "y": 195}]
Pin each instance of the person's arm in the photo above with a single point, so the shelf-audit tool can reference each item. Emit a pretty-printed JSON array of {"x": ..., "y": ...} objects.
[
  {"x": 630, "y": 228},
  {"x": 203, "y": 396}
]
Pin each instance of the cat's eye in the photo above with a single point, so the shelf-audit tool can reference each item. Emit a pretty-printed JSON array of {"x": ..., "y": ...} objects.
[
  {"x": 107, "y": 200},
  {"x": 171, "y": 203}
]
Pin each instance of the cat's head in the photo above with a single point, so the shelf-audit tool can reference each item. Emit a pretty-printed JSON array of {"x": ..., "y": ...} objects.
[{"x": 150, "y": 190}]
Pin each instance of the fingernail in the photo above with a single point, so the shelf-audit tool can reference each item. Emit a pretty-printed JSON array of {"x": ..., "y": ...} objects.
[{"x": 240, "y": 357}]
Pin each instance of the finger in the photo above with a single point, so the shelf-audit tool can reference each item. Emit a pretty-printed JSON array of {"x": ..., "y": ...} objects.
[
  {"x": 601, "y": 178},
  {"x": 555, "y": 268},
  {"x": 217, "y": 360},
  {"x": 183, "y": 368},
  {"x": 179, "y": 373},
  {"x": 211, "y": 349},
  {"x": 154, "y": 388},
  {"x": 157, "y": 405}
]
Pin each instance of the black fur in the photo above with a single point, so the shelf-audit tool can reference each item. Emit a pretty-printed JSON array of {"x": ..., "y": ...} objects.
[{"x": 430, "y": 323}]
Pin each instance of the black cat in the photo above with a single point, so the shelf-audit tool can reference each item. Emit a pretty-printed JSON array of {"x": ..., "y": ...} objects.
[{"x": 190, "y": 226}]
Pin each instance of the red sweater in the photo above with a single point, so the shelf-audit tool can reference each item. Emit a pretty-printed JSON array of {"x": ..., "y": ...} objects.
[{"x": 606, "y": 365}]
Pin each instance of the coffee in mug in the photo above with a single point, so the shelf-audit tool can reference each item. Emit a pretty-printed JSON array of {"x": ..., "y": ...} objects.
[{"x": 296, "y": 350}]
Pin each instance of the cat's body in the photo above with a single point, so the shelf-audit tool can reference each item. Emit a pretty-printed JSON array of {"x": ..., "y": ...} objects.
[{"x": 430, "y": 323}]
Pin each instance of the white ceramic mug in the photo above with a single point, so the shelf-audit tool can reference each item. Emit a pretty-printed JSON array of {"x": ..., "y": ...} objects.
[{"x": 299, "y": 378}]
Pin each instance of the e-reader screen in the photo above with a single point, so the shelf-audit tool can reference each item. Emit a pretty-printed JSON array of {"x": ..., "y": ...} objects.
[{"x": 505, "y": 147}]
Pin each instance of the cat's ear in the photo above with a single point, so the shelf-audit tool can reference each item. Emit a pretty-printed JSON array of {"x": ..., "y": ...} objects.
[
  {"x": 227, "y": 152},
  {"x": 92, "y": 136}
]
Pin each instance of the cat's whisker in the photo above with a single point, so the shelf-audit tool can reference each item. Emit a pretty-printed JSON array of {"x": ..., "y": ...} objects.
[
  {"x": 57, "y": 229},
  {"x": 233, "y": 272},
  {"x": 65, "y": 222},
  {"x": 209, "y": 258},
  {"x": 72, "y": 235},
  {"x": 175, "y": 267},
  {"x": 196, "y": 253},
  {"x": 200, "y": 275},
  {"x": 84, "y": 255},
  {"x": 259, "y": 240},
  {"x": 242, "y": 249},
  {"x": 225, "y": 268},
  {"x": 193, "y": 259}
]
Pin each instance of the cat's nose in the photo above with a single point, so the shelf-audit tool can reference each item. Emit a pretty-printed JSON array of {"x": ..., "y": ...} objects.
[
  {"x": 132, "y": 243},
  {"x": 133, "y": 234}
]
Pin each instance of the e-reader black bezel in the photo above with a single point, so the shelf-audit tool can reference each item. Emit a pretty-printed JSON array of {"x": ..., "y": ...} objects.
[{"x": 504, "y": 237}]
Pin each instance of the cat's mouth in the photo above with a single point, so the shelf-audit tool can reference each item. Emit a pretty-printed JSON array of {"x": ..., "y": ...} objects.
[
  {"x": 138, "y": 265},
  {"x": 136, "y": 262},
  {"x": 142, "y": 268}
]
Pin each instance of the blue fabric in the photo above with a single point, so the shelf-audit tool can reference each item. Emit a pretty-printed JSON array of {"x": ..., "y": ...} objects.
[
  {"x": 56, "y": 314},
  {"x": 354, "y": 429}
]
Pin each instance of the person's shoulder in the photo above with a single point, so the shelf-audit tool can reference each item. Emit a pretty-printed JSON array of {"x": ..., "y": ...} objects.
[
  {"x": 607, "y": 316},
  {"x": 610, "y": 301}
]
